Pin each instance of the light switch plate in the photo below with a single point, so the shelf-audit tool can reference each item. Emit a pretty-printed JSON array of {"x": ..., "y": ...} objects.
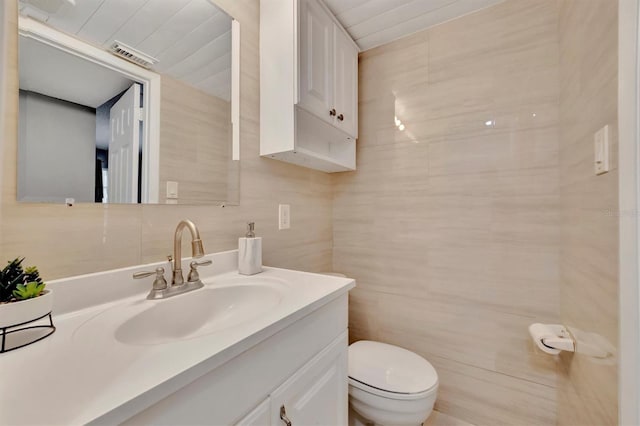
[
  {"x": 284, "y": 216},
  {"x": 601, "y": 150},
  {"x": 172, "y": 190}
]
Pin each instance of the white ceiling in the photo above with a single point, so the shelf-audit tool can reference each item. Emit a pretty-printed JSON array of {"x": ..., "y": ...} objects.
[
  {"x": 53, "y": 72},
  {"x": 373, "y": 23},
  {"x": 190, "y": 38}
]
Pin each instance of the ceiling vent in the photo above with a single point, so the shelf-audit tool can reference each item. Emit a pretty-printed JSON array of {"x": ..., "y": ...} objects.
[{"x": 132, "y": 55}]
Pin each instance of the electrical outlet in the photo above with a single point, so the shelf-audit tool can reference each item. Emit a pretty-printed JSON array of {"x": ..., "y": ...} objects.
[{"x": 284, "y": 216}]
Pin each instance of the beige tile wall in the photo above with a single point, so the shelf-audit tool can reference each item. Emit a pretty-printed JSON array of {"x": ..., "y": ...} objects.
[
  {"x": 65, "y": 241},
  {"x": 451, "y": 227},
  {"x": 195, "y": 142},
  {"x": 589, "y": 244}
]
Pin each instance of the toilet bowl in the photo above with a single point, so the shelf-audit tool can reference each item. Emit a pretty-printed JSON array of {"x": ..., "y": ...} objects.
[{"x": 389, "y": 385}]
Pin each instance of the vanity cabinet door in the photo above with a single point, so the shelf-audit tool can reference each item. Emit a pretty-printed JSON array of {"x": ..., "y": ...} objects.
[
  {"x": 260, "y": 416},
  {"x": 317, "y": 393},
  {"x": 316, "y": 60},
  {"x": 345, "y": 83}
]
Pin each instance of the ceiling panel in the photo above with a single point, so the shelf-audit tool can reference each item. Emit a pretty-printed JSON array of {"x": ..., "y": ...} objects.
[
  {"x": 342, "y": 6},
  {"x": 106, "y": 19},
  {"x": 147, "y": 20},
  {"x": 366, "y": 9},
  {"x": 373, "y": 23},
  {"x": 191, "y": 16},
  {"x": 55, "y": 73},
  {"x": 397, "y": 16},
  {"x": 211, "y": 29},
  {"x": 202, "y": 57},
  {"x": 179, "y": 33},
  {"x": 211, "y": 68},
  {"x": 71, "y": 18}
]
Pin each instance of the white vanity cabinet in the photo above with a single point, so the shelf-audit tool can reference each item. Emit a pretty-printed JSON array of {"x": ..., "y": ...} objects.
[
  {"x": 308, "y": 86},
  {"x": 259, "y": 416},
  {"x": 302, "y": 367},
  {"x": 318, "y": 393}
]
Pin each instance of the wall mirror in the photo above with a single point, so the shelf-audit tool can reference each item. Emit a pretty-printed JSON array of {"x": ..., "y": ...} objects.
[{"x": 131, "y": 101}]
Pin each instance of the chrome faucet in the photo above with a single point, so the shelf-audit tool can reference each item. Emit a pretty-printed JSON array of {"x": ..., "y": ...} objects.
[{"x": 160, "y": 288}]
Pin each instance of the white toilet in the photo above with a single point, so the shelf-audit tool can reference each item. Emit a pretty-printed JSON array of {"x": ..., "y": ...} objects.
[{"x": 389, "y": 385}]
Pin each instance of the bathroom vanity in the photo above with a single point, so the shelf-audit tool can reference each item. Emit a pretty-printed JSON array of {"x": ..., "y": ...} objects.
[{"x": 263, "y": 349}]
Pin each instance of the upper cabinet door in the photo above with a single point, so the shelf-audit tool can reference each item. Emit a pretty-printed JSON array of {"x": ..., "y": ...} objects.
[
  {"x": 346, "y": 83},
  {"x": 316, "y": 60}
]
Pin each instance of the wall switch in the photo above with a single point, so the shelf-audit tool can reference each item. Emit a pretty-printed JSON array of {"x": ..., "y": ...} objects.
[
  {"x": 601, "y": 148},
  {"x": 172, "y": 190},
  {"x": 284, "y": 216}
]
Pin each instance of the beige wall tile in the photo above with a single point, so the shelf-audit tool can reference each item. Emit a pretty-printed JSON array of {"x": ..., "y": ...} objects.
[
  {"x": 451, "y": 227},
  {"x": 589, "y": 243},
  {"x": 492, "y": 399}
]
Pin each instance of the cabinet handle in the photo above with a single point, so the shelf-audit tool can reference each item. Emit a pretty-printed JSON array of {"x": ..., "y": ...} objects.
[
  {"x": 283, "y": 416},
  {"x": 332, "y": 112},
  {"x": 340, "y": 117}
]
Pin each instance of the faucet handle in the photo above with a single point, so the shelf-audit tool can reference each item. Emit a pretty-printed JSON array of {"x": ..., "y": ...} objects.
[
  {"x": 159, "y": 283},
  {"x": 193, "y": 273}
]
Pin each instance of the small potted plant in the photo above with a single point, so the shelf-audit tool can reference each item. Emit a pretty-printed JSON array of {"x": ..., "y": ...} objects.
[{"x": 23, "y": 297}]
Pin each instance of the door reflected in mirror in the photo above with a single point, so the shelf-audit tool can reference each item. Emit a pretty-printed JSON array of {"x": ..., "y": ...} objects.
[{"x": 128, "y": 102}]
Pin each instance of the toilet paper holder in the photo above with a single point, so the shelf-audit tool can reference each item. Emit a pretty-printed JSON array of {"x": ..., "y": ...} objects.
[{"x": 552, "y": 338}]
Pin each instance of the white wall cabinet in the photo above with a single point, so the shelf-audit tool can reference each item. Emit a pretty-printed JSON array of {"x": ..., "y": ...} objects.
[
  {"x": 308, "y": 86},
  {"x": 316, "y": 60},
  {"x": 345, "y": 83}
]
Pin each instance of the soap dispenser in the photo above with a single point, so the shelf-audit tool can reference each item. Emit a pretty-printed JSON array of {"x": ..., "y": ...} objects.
[{"x": 250, "y": 252}]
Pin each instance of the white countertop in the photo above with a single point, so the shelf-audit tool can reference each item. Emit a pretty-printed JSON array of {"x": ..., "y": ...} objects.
[{"x": 78, "y": 375}]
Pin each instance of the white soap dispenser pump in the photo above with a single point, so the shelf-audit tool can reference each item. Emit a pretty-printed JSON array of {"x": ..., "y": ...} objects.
[{"x": 250, "y": 252}]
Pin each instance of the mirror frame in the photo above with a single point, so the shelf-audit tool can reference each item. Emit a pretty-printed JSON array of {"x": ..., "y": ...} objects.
[{"x": 150, "y": 173}]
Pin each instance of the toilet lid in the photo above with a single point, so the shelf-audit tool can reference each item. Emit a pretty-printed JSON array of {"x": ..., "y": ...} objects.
[{"x": 390, "y": 368}]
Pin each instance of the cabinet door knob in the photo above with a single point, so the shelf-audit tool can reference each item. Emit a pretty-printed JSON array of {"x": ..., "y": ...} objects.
[
  {"x": 283, "y": 416},
  {"x": 332, "y": 113},
  {"x": 341, "y": 117}
]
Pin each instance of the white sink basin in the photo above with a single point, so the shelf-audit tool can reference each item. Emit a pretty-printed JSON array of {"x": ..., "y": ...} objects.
[{"x": 191, "y": 315}]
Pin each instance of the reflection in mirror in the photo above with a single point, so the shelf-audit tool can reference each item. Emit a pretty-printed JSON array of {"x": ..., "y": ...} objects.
[{"x": 128, "y": 102}]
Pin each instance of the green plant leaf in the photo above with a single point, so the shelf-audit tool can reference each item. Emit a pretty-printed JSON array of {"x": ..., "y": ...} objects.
[
  {"x": 10, "y": 277},
  {"x": 28, "y": 291}
]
